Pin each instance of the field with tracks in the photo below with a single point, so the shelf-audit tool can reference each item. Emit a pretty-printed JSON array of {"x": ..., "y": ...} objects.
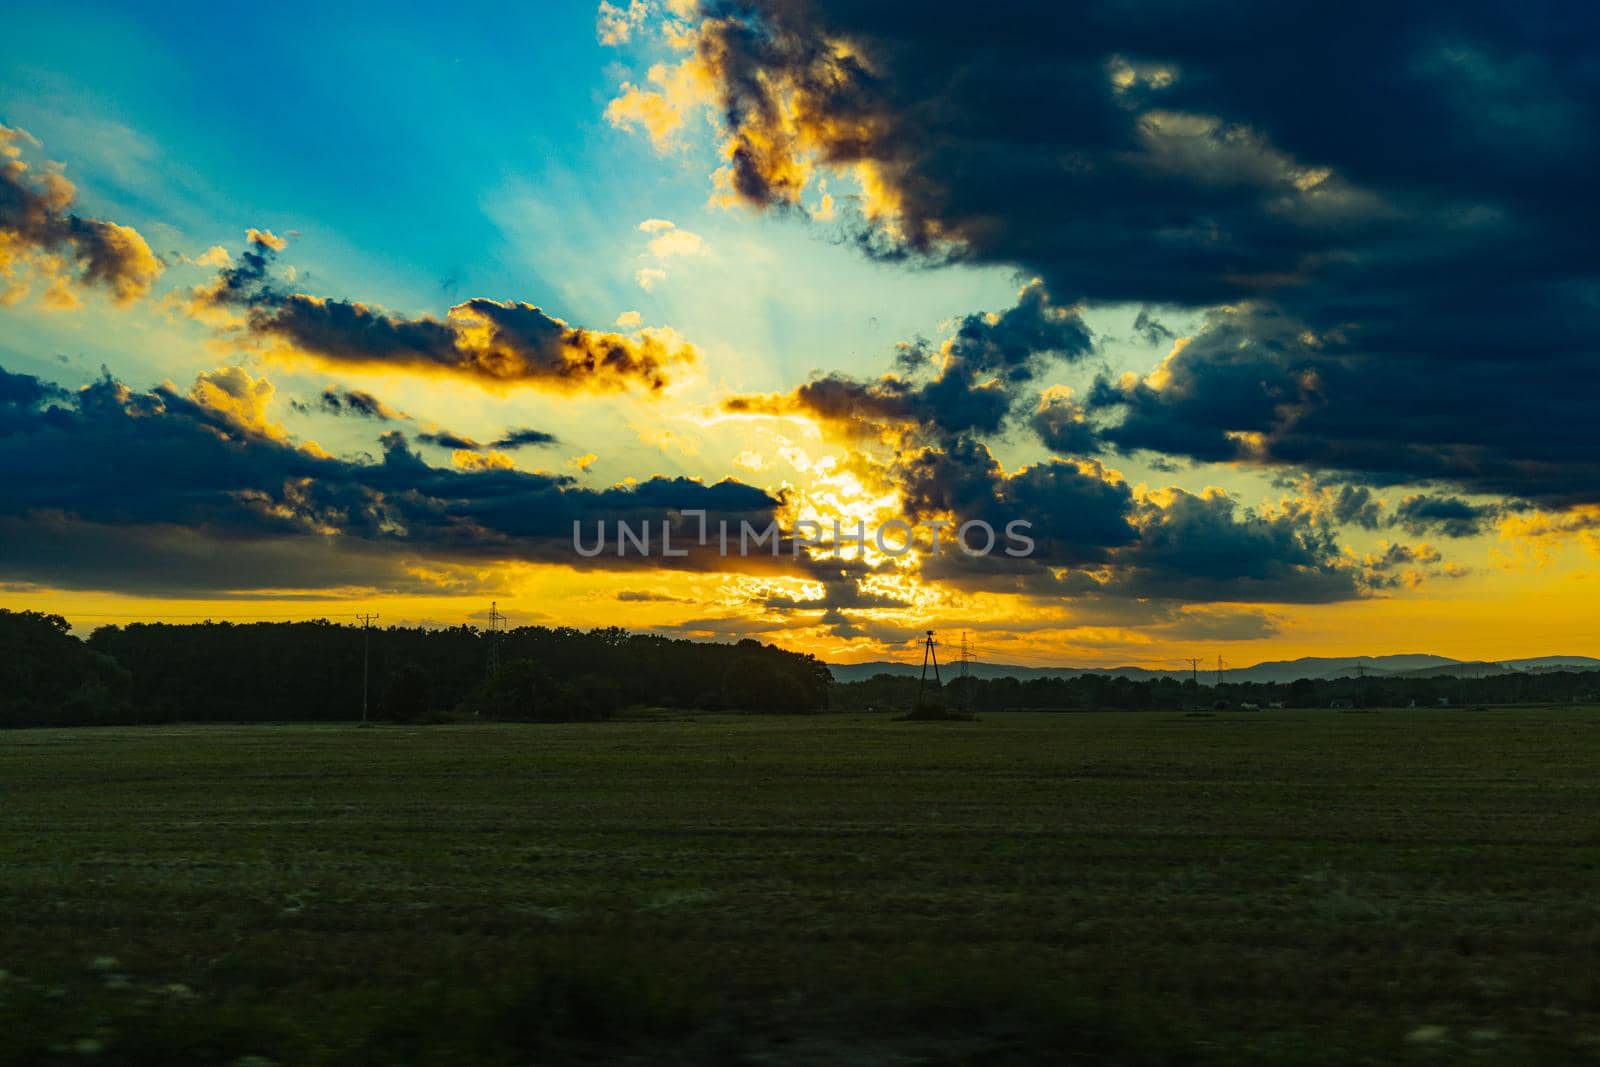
[{"x": 1281, "y": 887}]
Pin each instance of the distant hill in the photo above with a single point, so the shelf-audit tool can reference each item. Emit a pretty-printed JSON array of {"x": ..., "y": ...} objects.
[
  {"x": 1335, "y": 667},
  {"x": 1405, "y": 665},
  {"x": 856, "y": 672},
  {"x": 1558, "y": 663},
  {"x": 1475, "y": 669}
]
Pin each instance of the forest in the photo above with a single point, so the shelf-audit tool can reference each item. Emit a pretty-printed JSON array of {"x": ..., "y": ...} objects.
[
  {"x": 319, "y": 671},
  {"x": 1100, "y": 692},
  {"x": 313, "y": 671}
]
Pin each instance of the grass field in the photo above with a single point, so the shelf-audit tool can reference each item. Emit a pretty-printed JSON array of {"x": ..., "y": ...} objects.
[{"x": 1285, "y": 887}]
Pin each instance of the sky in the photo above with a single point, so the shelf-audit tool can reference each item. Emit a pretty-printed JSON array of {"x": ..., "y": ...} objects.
[{"x": 1276, "y": 327}]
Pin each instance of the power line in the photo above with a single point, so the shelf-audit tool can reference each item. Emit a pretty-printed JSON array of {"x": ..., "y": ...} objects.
[
  {"x": 366, "y": 628},
  {"x": 1194, "y": 670}
]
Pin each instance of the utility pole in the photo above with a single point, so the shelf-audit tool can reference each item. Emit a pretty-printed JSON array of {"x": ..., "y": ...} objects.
[
  {"x": 1194, "y": 671},
  {"x": 966, "y": 674},
  {"x": 928, "y": 654},
  {"x": 366, "y": 640},
  {"x": 497, "y": 625}
]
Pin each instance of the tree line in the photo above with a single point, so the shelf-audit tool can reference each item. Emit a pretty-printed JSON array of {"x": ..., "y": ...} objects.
[
  {"x": 1101, "y": 692},
  {"x": 313, "y": 671}
]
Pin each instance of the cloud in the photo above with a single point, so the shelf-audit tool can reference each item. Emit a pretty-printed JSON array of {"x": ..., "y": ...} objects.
[
  {"x": 482, "y": 461},
  {"x": 215, "y": 256},
  {"x": 615, "y": 24},
  {"x": 240, "y": 399},
  {"x": 40, "y": 235},
  {"x": 1061, "y": 423},
  {"x": 266, "y": 239},
  {"x": 336, "y": 401},
  {"x": 1256, "y": 385},
  {"x": 1207, "y": 548},
  {"x": 1150, "y": 329},
  {"x": 1449, "y": 516},
  {"x": 629, "y": 320},
  {"x": 207, "y": 468},
  {"x": 982, "y": 369},
  {"x": 1380, "y": 256},
  {"x": 1355, "y": 505},
  {"x": 521, "y": 437},
  {"x": 649, "y": 277},
  {"x": 661, "y": 106},
  {"x": 447, "y": 439},
  {"x": 676, "y": 243},
  {"x": 488, "y": 342}
]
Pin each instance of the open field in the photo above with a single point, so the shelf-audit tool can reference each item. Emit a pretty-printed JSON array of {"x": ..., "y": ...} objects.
[{"x": 1287, "y": 887}]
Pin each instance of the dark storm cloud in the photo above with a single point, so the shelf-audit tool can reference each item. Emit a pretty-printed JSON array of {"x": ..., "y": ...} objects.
[
  {"x": 1208, "y": 548},
  {"x": 1064, "y": 427},
  {"x": 35, "y": 218},
  {"x": 447, "y": 439},
  {"x": 1355, "y": 505},
  {"x": 982, "y": 369},
  {"x": 335, "y": 401},
  {"x": 112, "y": 458},
  {"x": 1392, "y": 201},
  {"x": 1447, "y": 515},
  {"x": 1151, "y": 329},
  {"x": 1253, "y": 385},
  {"x": 22, "y": 392},
  {"x": 1077, "y": 514},
  {"x": 53, "y": 550},
  {"x": 524, "y": 437},
  {"x": 517, "y": 438},
  {"x": 1093, "y": 536},
  {"x": 487, "y": 341}
]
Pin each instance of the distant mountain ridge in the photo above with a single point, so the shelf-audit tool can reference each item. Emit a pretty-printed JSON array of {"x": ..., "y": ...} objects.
[{"x": 1404, "y": 665}]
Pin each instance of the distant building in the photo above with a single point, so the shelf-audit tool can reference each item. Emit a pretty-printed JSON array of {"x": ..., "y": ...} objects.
[{"x": 1342, "y": 704}]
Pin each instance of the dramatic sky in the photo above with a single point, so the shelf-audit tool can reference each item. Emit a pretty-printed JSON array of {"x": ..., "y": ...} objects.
[{"x": 1279, "y": 322}]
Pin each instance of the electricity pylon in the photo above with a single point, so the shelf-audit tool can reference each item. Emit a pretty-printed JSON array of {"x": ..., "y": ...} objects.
[
  {"x": 497, "y": 626},
  {"x": 928, "y": 655},
  {"x": 965, "y": 659}
]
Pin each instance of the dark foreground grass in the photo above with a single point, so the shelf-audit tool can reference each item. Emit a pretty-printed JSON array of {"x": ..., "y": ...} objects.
[{"x": 1294, "y": 888}]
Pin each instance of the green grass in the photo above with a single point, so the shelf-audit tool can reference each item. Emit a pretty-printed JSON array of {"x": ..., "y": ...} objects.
[{"x": 1278, "y": 887}]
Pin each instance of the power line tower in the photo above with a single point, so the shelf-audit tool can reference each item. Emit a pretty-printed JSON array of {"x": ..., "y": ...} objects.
[
  {"x": 928, "y": 655},
  {"x": 1220, "y": 665},
  {"x": 1361, "y": 670},
  {"x": 497, "y": 626},
  {"x": 965, "y": 674},
  {"x": 366, "y": 631}
]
